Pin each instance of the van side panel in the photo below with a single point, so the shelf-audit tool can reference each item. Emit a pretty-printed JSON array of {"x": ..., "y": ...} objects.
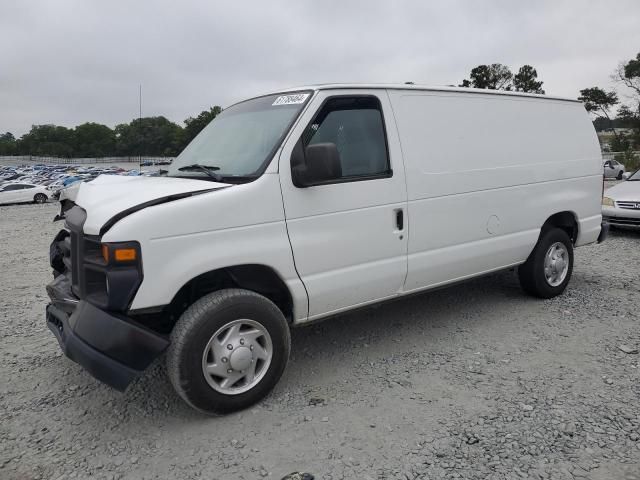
[{"x": 484, "y": 172}]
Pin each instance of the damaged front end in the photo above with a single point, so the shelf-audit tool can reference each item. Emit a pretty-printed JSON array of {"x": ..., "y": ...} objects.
[{"x": 89, "y": 300}]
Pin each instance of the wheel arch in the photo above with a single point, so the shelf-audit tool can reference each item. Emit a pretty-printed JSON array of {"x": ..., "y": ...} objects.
[
  {"x": 258, "y": 278},
  {"x": 565, "y": 220}
]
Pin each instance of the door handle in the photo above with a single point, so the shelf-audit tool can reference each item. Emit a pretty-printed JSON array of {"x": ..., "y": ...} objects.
[{"x": 400, "y": 219}]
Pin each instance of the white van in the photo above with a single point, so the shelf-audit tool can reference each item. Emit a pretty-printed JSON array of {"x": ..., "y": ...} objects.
[{"x": 302, "y": 204}]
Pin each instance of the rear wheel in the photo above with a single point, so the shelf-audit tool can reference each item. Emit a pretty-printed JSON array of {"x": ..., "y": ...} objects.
[
  {"x": 40, "y": 198},
  {"x": 548, "y": 269},
  {"x": 228, "y": 350}
]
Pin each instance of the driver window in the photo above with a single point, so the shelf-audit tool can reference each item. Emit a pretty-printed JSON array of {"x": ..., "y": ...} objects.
[{"x": 355, "y": 125}]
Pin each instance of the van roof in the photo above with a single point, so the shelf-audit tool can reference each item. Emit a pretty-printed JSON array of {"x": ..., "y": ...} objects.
[{"x": 405, "y": 86}]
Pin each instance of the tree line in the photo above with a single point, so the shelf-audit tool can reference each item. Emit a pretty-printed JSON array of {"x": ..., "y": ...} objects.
[
  {"x": 149, "y": 136},
  {"x": 498, "y": 77},
  {"x": 158, "y": 136}
]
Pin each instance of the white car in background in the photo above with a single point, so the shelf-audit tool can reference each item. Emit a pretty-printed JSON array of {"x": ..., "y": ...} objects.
[
  {"x": 621, "y": 203},
  {"x": 613, "y": 169},
  {"x": 22, "y": 193}
]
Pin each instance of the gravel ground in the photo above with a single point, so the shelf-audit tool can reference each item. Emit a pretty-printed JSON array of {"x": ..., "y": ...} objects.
[{"x": 475, "y": 381}]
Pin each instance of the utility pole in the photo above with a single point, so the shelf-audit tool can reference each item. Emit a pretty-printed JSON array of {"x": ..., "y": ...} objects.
[{"x": 140, "y": 126}]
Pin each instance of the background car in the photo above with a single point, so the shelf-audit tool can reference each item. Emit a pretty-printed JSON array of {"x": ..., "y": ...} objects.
[
  {"x": 23, "y": 192},
  {"x": 621, "y": 203},
  {"x": 613, "y": 169}
]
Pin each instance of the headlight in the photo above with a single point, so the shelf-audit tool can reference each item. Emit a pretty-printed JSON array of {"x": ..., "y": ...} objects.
[{"x": 608, "y": 202}]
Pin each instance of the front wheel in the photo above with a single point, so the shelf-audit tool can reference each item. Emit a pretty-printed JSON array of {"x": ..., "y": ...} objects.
[
  {"x": 620, "y": 175},
  {"x": 40, "y": 198},
  {"x": 228, "y": 350},
  {"x": 548, "y": 269}
]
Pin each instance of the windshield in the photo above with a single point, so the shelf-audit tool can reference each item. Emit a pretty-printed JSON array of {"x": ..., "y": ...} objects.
[
  {"x": 635, "y": 177},
  {"x": 241, "y": 140}
]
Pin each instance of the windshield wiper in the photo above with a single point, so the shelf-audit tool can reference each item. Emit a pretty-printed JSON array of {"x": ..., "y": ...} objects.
[{"x": 208, "y": 169}]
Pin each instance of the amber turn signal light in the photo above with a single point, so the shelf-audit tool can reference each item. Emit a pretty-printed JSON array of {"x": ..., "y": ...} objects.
[
  {"x": 111, "y": 253},
  {"x": 124, "y": 254}
]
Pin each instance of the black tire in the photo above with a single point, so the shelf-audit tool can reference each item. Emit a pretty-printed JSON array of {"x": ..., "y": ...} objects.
[
  {"x": 531, "y": 273},
  {"x": 40, "y": 198},
  {"x": 619, "y": 177},
  {"x": 191, "y": 335}
]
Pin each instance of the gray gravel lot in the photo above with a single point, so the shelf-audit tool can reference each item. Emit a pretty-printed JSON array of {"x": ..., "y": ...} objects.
[{"x": 474, "y": 381}]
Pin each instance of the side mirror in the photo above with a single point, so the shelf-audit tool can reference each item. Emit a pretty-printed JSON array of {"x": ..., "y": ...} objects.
[{"x": 317, "y": 164}]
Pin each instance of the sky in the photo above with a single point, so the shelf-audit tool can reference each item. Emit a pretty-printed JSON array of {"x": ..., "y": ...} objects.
[{"x": 68, "y": 62}]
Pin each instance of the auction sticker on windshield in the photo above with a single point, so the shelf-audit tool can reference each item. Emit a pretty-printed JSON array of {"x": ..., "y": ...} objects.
[{"x": 290, "y": 99}]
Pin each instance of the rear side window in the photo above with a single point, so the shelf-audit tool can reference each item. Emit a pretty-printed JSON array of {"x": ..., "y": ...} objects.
[{"x": 356, "y": 126}]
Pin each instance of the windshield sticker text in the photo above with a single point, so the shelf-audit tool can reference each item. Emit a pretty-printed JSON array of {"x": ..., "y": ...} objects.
[{"x": 291, "y": 99}]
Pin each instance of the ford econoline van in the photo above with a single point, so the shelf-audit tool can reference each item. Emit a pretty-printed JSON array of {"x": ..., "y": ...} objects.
[{"x": 302, "y": 204}]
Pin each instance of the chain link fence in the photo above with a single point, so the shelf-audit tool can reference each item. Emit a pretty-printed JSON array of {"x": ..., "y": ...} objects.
[{"x": 34, "y": 159}]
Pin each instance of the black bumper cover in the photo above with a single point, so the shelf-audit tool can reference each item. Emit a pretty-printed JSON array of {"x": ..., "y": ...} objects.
[{"x": 110, "y": 347}]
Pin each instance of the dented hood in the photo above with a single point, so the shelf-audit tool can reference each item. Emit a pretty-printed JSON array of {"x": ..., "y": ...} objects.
[{"x": 109, "y": 198}]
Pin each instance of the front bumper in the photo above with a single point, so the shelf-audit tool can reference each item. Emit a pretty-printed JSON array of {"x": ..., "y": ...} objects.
[
  {"x": 110, "y": 346},
  {"x": 622, "y": 217}
]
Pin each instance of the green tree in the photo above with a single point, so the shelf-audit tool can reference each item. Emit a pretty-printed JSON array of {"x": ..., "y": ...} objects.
[
  {"x": 493, "y": 77},
  {"x": 620, "y": 143},
  {"x": 526, "y": 80},
  {"x": 628, "y": 74},
  {"x": 47, "y": 140},
  {"x": 601, "y": 123},
  {"x": 599, "y": 102},
  {"x": 93, "y": 140},
  {"x": 193, "y": 126},
  {"x": 149, "y": 136},
  {"x": 8, "y": 144}
]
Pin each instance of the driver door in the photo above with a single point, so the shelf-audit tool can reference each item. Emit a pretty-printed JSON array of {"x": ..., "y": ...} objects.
[{"x": 348, "y": 235}]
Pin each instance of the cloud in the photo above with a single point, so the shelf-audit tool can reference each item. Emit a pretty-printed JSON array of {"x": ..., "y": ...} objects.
[{"x": 71, "y": 61}]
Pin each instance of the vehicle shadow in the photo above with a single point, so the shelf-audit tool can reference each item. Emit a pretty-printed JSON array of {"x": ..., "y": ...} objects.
[
  {"x": 619, "y": 232},
  {"x": 421, "y": 318}
]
